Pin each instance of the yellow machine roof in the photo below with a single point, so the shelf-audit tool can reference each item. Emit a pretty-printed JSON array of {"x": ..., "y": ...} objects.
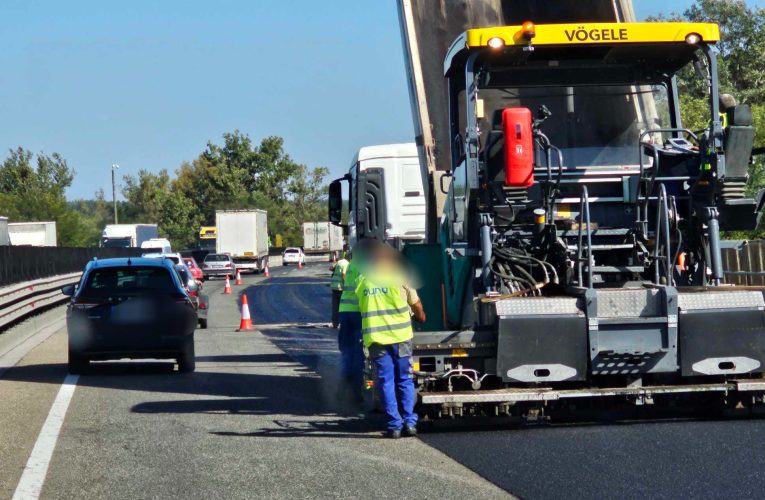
[
  {"x": 581, "y": 35},
  {"x": 595, "y": 33}
]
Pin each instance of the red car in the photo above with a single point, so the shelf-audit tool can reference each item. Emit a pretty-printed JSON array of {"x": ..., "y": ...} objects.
[{"x": 196, "y": 271}]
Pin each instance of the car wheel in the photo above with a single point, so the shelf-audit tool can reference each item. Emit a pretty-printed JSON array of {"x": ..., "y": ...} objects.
[
  {"x": 78, "y": 363},
  {"x": 203, "y": 324},
  {"x": 187, "y": 358}
]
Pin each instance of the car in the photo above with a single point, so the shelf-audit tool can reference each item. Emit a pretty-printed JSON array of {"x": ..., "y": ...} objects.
[
  {"x": 174, "y": 257},
  {"x": 196, "y": 271},
  {"x": 218, "y": 264},
  {"x": 293, "y": 255},
  {"x": 194, "y": 290},
  {"x": 130, "y": 308}
]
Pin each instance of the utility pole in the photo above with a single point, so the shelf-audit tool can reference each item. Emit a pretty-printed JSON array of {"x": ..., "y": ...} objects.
[{"x": 114, "y": 191}]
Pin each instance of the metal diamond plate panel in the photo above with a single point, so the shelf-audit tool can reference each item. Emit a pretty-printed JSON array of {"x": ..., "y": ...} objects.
[
  {"x": 635, "y": 303},
  {"x": 720, "y": 300},
  {"x": 523, "y": 306}
]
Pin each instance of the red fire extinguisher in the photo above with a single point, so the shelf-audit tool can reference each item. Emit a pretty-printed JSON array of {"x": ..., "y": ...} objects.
[{"x": 519, "y": 147}]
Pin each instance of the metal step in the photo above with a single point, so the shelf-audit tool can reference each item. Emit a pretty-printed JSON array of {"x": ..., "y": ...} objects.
[
  {"x": 617, "y": 269},
  {"x": 595, "y": 248},
  {"x": 573, "y": 233}
]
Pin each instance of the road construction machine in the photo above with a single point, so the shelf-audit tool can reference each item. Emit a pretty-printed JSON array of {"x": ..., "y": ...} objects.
[{"x": 579, "y": 238}]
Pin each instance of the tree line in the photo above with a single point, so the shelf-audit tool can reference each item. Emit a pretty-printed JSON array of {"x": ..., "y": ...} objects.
[{"x": 236, "y": 174}]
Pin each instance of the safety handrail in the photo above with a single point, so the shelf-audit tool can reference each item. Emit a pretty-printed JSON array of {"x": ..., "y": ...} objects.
[
  {"x": 584, "y": 213},
  {"x": 662, "y": 231}
]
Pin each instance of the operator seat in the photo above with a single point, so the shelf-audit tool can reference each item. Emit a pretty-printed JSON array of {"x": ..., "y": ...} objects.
[{"x": 738, "y": 141}]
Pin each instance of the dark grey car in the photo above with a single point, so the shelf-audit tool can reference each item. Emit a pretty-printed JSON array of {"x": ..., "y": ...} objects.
[{"x": 130, "y": 308}]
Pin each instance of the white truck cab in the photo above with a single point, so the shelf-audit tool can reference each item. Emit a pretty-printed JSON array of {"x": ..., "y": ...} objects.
[{"x": 388, "y": 181}]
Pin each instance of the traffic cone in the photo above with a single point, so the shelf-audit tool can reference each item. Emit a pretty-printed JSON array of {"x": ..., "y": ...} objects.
[
  {"x": 238, "y": 278},
  {"x": 265, "y": 271},
  {"x": 227, "y": 288},
  {"x": 300, "y": 264},
  {"x": 245, "y": 323}
]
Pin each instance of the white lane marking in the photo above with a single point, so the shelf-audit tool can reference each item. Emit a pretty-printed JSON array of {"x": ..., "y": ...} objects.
[{"x": 32, "y": 479}]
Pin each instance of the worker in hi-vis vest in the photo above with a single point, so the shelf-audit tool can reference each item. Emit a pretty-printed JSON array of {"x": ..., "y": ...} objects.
[
  {"x": 387, "y": 304},
  {"x": 336, "y": 283},
  {"x": 349, "y": 336}
]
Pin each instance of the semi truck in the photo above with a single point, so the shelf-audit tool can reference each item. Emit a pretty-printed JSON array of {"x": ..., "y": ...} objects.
[
  {"x": 386, "y": 194},
  {"x": 243, "y": 234},
  {"x": 38, "y": 234},
  {"x": 5, "y": 238},
  {"x": 322, "y": 238},
  {"x": 127, "y": 235},
  {"x": 575, "y": 218}
]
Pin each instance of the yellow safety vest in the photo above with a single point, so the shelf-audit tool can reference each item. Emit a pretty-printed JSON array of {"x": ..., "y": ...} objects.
[
  {"x": 385, "y": 315},
  {"x": 349, "y": 302},
  {"x": 337, "y": 274}
]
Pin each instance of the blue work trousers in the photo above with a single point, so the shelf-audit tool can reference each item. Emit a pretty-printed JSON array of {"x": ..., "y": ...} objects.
[
  {"x": 351, "y": 349},
  {"x": 396, "y": 383}
]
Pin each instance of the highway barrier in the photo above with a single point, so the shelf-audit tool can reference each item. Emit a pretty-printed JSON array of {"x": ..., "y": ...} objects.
[
  {"x": 31, "y": 277},
  {"x": 25, "y": 263}
]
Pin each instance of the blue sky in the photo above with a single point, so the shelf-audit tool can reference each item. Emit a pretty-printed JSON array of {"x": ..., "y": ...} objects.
[{"x": 146, "y": 84}]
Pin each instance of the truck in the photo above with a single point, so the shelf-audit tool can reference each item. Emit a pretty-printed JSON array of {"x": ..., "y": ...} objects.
[
  {"x": 5, "y": 238},
  {"x": 575, "y": 219},
  {"x": 243, "y": 234},
  {"x": 322, "y": 238},
  {"x": 387, "y": 197},
  {"x": 38, "y": 234},
  {"x": 207, "y": 237},
  {"x": 127, "y": 235}
]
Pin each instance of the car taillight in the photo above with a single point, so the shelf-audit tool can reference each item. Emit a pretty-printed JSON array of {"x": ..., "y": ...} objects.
[
  {"x": 192, "y": 293},
  {"x": 228, "y": 264},
  {"x": 203, "y": 305}
]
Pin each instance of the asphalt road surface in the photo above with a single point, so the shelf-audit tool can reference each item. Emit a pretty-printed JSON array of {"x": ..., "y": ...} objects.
[{"x": 260, "y": 418}]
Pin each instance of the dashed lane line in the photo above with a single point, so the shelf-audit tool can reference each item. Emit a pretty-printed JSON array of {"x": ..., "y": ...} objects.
[{"x": 32, "y": 479}]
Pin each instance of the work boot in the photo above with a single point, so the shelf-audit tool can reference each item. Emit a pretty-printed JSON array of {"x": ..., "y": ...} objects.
[
  {"x": 393, "y": 433},
  {"x": 410, "y": 431}
]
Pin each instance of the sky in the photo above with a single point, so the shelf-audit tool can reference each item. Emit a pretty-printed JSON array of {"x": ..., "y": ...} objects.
[{"x": 146, "y": 84}]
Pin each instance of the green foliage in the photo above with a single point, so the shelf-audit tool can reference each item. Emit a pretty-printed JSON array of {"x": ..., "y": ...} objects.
[
  {"x": 32, "y": 188},
  {"x": 234, "y": 175}
]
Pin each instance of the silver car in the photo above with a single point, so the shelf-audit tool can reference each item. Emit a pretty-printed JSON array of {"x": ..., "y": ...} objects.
[{"x": 218, "y": 264}]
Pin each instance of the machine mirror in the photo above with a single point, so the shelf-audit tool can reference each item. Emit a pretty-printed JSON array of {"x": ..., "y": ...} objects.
[{"x": 335, "y": 202}]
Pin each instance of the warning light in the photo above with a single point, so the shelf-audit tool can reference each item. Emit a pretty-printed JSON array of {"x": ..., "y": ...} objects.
[
  {"x": 693, "y": 39},
  {"x": 528, "y": 30},
  {"x": 496, "y": 42}
]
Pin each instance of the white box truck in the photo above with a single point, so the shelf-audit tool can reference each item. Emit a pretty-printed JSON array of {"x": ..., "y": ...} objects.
[
  {"x": 243, "y": 234},
  {"x": 36, "y": 234},
  {"x": 322, "y": 238},
  {"x": 127, "y": 235}
]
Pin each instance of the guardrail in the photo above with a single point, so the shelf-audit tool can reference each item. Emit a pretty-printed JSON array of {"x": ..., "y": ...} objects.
[{"x": 23, "y": 299}]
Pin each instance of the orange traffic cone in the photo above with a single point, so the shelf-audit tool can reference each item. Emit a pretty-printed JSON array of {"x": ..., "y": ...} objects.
[
  {"x": 238, "y": 278},
  {"x": 227, "y": 288},
  {"x": 265, "y": 271},
  {"x": 300, "y": 264},
  {"x": 245, "y": 323}
]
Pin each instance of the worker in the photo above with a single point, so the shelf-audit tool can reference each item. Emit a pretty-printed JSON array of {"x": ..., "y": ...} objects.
[
  {"x": 336, "y": 283},
  {"x": 386, "y": 304},
  {"x": 727, "y": 101},
  {"x": 349, "y": 337}
]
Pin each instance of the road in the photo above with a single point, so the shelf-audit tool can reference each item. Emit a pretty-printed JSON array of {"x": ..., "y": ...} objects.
[{"x": 260, "y": 418}]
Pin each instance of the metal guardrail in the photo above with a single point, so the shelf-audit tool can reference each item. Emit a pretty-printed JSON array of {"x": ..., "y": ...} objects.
[{"x": 23, "y": 299}]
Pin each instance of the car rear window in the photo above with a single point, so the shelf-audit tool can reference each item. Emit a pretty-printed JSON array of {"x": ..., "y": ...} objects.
[
  {"x": 216, "y": 258},
  {"x": 128, "y": 281},
  {"x": 292, "y": 250}
]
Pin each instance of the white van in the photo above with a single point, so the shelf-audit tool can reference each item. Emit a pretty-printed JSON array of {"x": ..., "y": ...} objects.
[{"x": 156, "y": 245}]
